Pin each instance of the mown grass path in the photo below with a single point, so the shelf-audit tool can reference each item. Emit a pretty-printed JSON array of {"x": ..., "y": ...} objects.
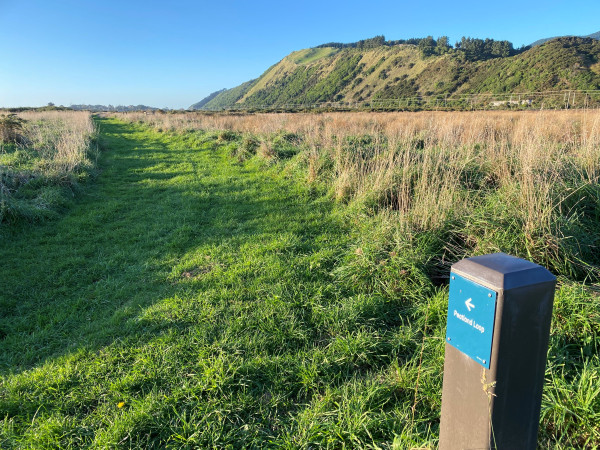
[{"x": 188, "y": 300}]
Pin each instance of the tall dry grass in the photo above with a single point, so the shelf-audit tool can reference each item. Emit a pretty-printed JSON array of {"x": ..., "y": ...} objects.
[
  {"x": 44, "y": 162},
  {"x": 536, "y": 169},
  {"x": 61, "y": 139}
]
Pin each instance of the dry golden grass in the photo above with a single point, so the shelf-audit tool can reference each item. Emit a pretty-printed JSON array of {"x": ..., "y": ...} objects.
[
  {"x": 529, "y": 149},
  {"x": 50, "y": 154},
  {"x": 60, "y": 138}
]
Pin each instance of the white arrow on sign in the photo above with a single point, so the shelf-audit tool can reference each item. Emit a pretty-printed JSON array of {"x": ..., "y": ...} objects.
[{"x": 469, "y": 304}]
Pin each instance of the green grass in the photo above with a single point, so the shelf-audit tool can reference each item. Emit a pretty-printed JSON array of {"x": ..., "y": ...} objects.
[
  {"x": 33, "y": 195},
  {"x": 192, "y": 299},
  {"x": 312, "y": 54},
  {"x": 200, "y": 293}
]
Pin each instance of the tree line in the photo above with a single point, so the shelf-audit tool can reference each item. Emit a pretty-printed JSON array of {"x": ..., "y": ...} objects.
[{"x": 471, "y": 48}]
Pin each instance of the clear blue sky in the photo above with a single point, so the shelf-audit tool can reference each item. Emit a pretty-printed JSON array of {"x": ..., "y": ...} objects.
[{"x": 173, "y": 53}]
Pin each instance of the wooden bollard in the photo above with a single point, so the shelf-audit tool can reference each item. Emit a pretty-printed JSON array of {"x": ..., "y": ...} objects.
[{"x": 499, "y": 313}]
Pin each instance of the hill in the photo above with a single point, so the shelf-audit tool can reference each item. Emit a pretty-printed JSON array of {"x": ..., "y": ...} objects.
[
  {"x": 205, "y": 100},
  {"x": 543, "y": 41},
  {"x": 380, "y": 70}
]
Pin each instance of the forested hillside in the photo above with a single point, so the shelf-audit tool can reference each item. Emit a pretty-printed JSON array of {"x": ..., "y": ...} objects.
[{"x": 376, "y": 69}]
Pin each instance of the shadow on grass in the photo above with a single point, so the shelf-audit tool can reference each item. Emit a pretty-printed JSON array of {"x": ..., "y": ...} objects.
[
  {"x": 82, "y": 281},
  {"x": 184, "y": 284}
]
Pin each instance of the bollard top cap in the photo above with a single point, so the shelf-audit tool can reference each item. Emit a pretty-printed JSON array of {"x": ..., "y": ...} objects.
[{"x": 502, "y": 271}]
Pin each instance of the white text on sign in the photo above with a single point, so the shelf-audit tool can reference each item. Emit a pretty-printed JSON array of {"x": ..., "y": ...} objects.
[{"x": 468, "y": 321}]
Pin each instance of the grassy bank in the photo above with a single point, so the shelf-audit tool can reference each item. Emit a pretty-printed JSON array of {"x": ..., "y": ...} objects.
[
  {"x": 44, "y": 158},
  {"x": 214, "y": 290}
]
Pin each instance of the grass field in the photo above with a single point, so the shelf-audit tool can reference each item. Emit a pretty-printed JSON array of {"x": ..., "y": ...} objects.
[{"x": 219, "y": 289}]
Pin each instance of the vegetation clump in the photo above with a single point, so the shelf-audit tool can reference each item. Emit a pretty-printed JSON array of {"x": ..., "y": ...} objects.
[
  {"x": 227, "y": 136},
  {"x": 44, "y": 156},
  {"x": 11, "y": 126}
]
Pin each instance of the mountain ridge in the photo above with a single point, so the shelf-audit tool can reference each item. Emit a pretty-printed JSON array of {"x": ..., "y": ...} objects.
[
  {"x": 380, "y": 70},
  {"x": 206, "y": 99},
  {"x": 544, "y": 40}
]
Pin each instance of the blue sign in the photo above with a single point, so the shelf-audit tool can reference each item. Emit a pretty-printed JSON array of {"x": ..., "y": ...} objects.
[{"x": 471, "y": 314}]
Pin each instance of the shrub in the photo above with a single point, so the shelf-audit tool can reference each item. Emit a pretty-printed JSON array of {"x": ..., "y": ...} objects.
[
  {"x": 249, "y": 144},
  {"x": 226, "y": 136},
  {"x": 11, "y": 126}
]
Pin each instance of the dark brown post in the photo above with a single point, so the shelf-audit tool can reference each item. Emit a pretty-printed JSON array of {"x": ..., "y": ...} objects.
[{"x": 499, "y": 314}]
